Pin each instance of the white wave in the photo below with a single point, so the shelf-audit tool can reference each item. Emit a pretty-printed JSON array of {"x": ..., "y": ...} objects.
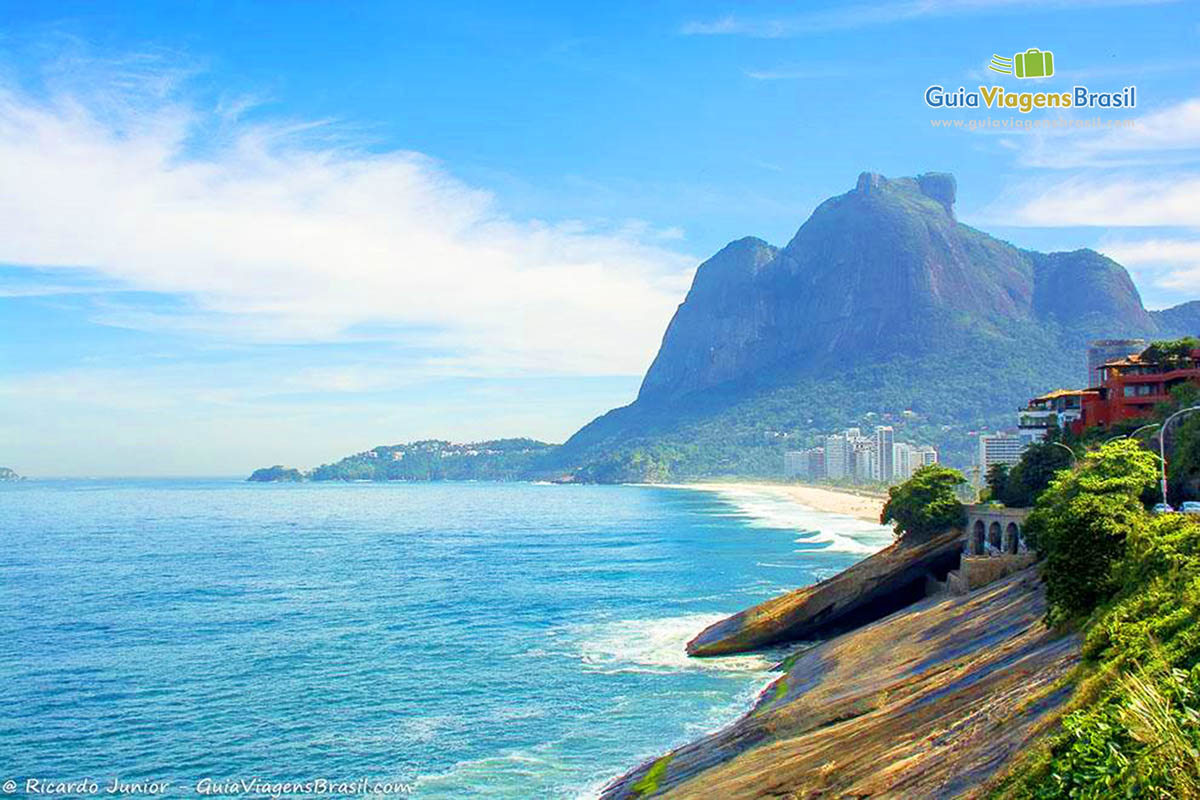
[
  {"x": 838, "y": 533},
  {"x": 655, "y": 645},
  {"x": 501, "y": 777}
]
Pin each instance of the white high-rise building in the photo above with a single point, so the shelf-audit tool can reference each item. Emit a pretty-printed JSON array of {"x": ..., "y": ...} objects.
[
  {"x": 903, "y": 461},
  {"x": 866, "y": 465},
  {"x": 885, "y": 438},
  {"x": 836, "y": 467},
  {"x": 795, "y": 463},
  {"x": 927, "y": 455},
  {"x": 1000, "y": 448}
]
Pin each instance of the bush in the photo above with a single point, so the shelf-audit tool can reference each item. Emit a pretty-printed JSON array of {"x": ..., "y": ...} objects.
[
  {"x": 1134, "y": 730},
  {"x": 1081, "y": 522},
  {"x": 925, "y": 504}
]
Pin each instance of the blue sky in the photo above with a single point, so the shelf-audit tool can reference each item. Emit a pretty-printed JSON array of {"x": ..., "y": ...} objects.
[{"x": 236, "y": 234}]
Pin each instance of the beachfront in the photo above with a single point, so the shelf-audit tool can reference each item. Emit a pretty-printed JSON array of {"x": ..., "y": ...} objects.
[{"x": 819, "y": 498}]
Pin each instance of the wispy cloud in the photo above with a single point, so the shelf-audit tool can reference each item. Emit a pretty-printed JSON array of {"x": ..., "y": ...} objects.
[
  {"x": 1169, "y": 135},
  {"x": 1170, "y": 263},
  {"x": 287, "y": 231},
  {"x": 799, "y": 72},
  {"x": 1101, "y": 201},
  {"x": 1146, "y": 175},
  {"x": 1144, "y": 179},
  {"x": 847, "y": 17}
]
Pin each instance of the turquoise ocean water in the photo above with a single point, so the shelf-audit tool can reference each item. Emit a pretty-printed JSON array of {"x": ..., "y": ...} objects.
[{"x": 466, "y": 640}]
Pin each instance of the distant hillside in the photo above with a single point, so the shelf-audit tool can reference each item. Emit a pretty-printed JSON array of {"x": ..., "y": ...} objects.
[
  {"x": 428, "y": 460},
  {"x": 7, "y": 474},
  {"x": 882, "y": 308}
]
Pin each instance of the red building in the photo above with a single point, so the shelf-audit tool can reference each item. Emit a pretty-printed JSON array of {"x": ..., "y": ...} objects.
[{"x": 1129, "y": 388}]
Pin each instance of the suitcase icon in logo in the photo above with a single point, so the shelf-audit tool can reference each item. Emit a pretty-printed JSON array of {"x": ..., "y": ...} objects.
[{"x": 1034, "y": 63}]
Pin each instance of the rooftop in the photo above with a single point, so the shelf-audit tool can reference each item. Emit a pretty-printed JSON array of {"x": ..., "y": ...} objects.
[{"x": 1064, "y": 393}]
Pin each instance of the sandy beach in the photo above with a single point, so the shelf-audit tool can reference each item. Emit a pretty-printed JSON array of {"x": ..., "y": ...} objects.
[{"x": 821, "y": 498}]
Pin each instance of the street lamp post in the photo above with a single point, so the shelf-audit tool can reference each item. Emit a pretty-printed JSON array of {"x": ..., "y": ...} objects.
[
  {"x": 1074, "y": 458},
  {"x": 1132, "y": 435},
  {"x": 1162, "y": 453}
]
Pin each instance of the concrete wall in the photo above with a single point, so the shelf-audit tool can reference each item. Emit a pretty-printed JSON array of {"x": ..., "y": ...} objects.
[{"x": 977, "y": 571}]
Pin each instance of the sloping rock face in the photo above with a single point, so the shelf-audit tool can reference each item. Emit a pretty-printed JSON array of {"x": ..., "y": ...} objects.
[
  {"x": 882, "y": 302},
  {"x": 931, "y": 702},
  {"x": 864, "y": 277},
  {"x": 873, "y": 588}
]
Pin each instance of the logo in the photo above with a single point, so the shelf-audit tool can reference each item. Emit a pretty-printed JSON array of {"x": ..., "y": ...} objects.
[{"x": 1033, "y": 63}]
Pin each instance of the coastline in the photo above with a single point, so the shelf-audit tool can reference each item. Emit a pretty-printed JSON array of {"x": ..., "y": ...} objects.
[{"x": 866, "y": 507}]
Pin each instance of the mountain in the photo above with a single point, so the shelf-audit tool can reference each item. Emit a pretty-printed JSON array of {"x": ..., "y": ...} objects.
[{"x": 882, "y": 308}]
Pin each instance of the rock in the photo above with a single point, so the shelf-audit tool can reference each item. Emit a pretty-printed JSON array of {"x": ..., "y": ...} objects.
[
  {"x": 873, "y": 588},
  {"x": 932, "y": 702},
  {"x": 939, "y": 186},
  {"x": 881, "y": 298}
]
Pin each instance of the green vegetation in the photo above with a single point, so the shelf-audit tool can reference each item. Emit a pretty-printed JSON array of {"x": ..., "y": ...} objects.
[
  {"x": 1019, "y": 486},
  {"x": 428, "y": 460},
  {"x": 1173, "y": 352},
  {"x": 925, "y": 504},
  {"x": 1131, "y": 582},
  {"x": 1081, "y": 522},
  {"x": 436, "y": 460},
  {"x": 648, "y": 784},
  {"x": 744, "y": 429},
  {"x": 276, "y": 474}
]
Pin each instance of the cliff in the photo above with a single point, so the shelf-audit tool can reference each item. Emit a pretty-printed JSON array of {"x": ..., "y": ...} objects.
[
  {"x": 882, "y": 302},
  {"x": 930, "y": 702}
]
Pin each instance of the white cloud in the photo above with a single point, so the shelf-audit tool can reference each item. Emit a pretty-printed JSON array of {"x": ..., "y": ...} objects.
[
  {"x": 847, "y": 17},
  {"x": 1168, "y": 135},
  {"x": 285, "y": 232},
  {"x": 798, "y": 72},
  {"x": 1103, "y": 187},
  {"x": 1102, "y": 200},
  {"x": 1172, "y": 264}
]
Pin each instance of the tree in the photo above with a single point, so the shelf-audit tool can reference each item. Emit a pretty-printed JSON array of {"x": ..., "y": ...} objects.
[
  {"x": 1029, "y": 478},
  {"x": 1081, "y": 522},
  {"x": 1171, "y": 353},
  {"x": 925, "y": 504},
  {"x": 997, "y": 481}
]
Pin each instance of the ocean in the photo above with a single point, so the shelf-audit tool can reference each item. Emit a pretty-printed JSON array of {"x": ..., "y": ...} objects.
[{"x": 452, "y": 640}]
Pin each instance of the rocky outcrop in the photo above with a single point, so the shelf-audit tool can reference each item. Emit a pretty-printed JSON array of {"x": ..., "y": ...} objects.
[
  {"x": 873, "y": 588},
  {"x": 930, "y": 702},
  {"x": 881, "y": 302},
  {"x": 862, "y": 277}
]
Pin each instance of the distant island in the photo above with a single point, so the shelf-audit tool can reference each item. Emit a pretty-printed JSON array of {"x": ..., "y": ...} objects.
[
  {"x": 276, "y": 474},
  {"x": 7, "y": 474},
  {"x": 426, "y": 460}
]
